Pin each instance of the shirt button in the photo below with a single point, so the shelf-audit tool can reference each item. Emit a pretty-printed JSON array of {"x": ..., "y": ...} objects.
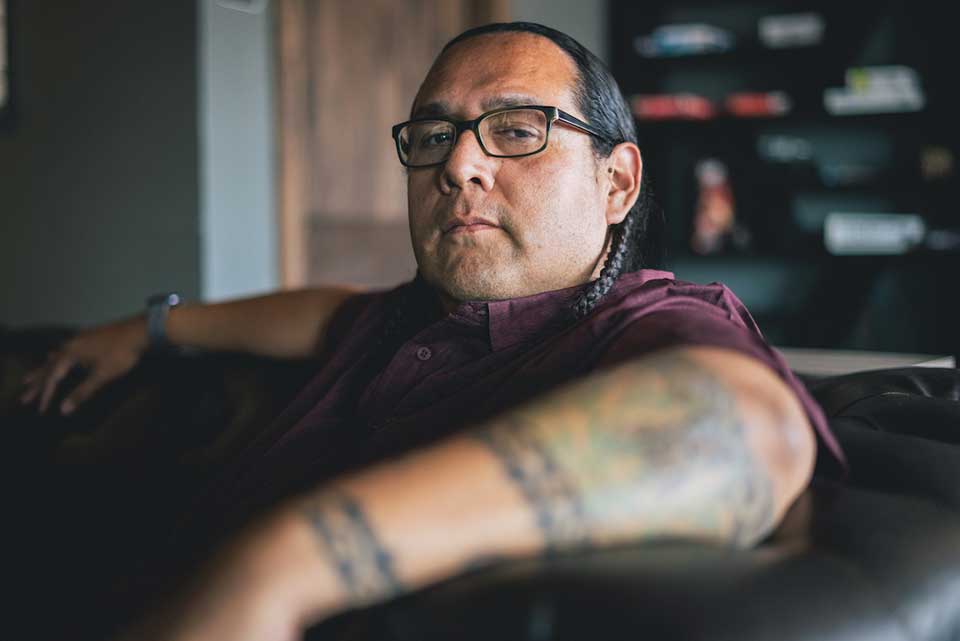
[{"x": 424, "y": 353}]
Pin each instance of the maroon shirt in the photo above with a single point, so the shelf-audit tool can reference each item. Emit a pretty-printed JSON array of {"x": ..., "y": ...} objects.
[{"x": 478, "y": 361}]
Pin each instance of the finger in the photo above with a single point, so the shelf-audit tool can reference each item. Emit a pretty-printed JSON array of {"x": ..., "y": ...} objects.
[
  {"x": 30, "y": 393},
  {"x": 83, "y": 391},
  {"x": 57, "y": 372},
  {"x": 33, "y": 383},
  {"x": 32, "y": 375}
]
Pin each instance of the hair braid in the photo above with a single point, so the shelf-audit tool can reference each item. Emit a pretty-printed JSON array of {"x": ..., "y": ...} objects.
[
  {"x": 630, "y": 250},
  {"x": 617, "y": 262}
]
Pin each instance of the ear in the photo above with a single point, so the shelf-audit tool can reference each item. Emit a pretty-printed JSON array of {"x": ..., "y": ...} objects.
[{"x": 624, "y": 168}]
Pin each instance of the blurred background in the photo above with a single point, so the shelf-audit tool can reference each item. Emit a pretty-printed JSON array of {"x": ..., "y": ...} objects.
[{"x": 804, "y": 152}]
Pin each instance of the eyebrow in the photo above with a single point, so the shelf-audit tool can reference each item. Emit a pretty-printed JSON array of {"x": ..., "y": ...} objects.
[{"x": 442, "y": 108}]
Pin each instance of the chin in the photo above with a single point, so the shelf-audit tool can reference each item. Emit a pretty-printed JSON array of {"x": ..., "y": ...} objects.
[
  {"x": 474, "y": 286},
  {"x": 463, "y": 281}
]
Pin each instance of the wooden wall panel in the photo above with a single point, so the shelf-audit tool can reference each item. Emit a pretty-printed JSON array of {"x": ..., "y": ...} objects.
[
  {"x": 373, "y": 254},
  {"x": 348, "y": 71}
]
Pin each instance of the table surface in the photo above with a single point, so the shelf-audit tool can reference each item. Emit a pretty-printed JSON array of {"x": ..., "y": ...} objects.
[{"x": 829, "y": 362}]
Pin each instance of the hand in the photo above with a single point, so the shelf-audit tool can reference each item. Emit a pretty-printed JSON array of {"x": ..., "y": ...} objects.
[{"x": 109, "y": 351}]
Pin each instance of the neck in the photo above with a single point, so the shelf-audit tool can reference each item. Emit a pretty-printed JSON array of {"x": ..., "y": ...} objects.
[
  {"x": 447, "y": 304},
  {"x": 440, "y": 302}
]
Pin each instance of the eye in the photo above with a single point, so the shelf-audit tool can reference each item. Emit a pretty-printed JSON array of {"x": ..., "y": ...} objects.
[
  {"x": 435, "y": 139},
  {"x": 518, "y": 133}
]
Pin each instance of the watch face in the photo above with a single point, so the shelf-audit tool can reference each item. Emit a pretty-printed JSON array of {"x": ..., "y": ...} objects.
[{"x": 171, "y": 299}]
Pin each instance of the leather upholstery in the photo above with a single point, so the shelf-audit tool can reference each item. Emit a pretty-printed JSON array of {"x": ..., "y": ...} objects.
[{"x": 873, "y": 556}]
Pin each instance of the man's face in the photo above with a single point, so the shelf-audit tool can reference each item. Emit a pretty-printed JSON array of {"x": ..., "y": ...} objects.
[{"x": 544, "y": 216}]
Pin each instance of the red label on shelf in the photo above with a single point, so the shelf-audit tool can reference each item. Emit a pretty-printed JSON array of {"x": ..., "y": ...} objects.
[
  {"x": 757, "y": 104},
  {"x": 672, "y": 106}
]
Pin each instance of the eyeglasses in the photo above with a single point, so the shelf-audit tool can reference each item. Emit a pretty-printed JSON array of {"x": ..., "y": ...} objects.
[{"x": 509, "y": 132}]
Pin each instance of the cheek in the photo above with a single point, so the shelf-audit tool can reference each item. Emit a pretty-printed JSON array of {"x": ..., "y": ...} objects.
[
  {"x": 418, "y": 191},
  {"x": 560, "y": 208},
  {"x": 420, "y": 206}
]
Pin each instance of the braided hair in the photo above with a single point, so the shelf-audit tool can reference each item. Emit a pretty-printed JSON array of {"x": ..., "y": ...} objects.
[{"x": 636, "y": 241}]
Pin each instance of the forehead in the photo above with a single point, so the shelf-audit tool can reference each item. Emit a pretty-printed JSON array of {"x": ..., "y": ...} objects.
[{"x": 491, "y": 70}]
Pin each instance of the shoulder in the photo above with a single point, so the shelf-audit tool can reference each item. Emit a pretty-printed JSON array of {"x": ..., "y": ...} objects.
[
  {"x": 647, "y": 313},
  {"x": 647, "y": 291}
]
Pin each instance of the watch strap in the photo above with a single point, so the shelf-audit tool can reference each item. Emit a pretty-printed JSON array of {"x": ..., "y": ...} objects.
[{"x": 158, "y": 307}]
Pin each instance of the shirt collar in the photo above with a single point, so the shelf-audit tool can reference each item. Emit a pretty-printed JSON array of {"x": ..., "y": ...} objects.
[{"x": 518, "y": 320}]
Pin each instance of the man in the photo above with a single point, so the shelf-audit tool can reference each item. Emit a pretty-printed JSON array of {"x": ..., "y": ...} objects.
[{"x": 531, "y": 391}]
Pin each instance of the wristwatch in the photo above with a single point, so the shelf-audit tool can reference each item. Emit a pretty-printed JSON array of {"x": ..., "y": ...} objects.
[{"x": 158, "y": 306}]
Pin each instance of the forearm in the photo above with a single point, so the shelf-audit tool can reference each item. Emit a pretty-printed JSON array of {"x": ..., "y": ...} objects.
[
  {"x": 288, "y": 324},
  {"x": 656, "y": 448}
]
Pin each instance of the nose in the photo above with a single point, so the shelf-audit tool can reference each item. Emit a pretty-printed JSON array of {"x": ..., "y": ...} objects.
[{"x": 468, "y": 165}]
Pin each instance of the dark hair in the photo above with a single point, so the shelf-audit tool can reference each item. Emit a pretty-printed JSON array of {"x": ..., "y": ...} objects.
[{"x": 637, "y": 241}]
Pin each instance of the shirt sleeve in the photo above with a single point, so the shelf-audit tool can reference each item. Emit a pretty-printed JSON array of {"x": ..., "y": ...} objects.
[{"x": 720, "y": 320}]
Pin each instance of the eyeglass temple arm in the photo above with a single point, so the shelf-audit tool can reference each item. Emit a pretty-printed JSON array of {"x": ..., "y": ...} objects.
[{"x": 573, "y": 121}]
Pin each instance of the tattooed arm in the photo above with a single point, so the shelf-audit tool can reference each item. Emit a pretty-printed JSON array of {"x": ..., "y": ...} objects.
[{"x": 696, "y": 443}]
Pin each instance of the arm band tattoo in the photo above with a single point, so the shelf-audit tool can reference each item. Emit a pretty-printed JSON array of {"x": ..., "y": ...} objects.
[
  {"x": 558, "y": 505},
  {"x": 364, "y": 566}
]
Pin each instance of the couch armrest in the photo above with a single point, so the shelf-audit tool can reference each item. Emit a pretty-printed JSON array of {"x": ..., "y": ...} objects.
[{"x": 192, "y": 410}]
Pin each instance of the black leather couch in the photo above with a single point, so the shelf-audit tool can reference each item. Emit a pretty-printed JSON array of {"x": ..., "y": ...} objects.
[{"x": 874, "y": 555}]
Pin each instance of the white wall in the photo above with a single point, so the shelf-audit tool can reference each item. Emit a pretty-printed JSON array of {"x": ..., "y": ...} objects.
[
  {"x": 98, "y": 170},
  {"x": 238, "y": 222}
]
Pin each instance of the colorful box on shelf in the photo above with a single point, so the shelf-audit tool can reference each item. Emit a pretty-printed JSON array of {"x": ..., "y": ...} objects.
[
  {"x": 791, "y": 30},
  {"x": 758, "y": 104},
  {"x": 784, "y": 148},
  {"x": 683, "y": 40},
  {"x": 691, "y": 106},
  {"x": 875, "y": 90},
  {"x": 881, "y": 234},
  {"x": 848, "y": 233},
  {"x": 681, "y": 106}
]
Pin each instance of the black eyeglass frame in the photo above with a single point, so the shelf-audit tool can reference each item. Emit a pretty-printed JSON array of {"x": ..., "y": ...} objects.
[{"x": 553, "y": 114}]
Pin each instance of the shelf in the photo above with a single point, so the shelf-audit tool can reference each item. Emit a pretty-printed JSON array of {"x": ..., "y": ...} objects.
[
  {"x": 794, "y": 119},
  {"x": 747, "y": 52},
  {"x": 787, "y": 171}
]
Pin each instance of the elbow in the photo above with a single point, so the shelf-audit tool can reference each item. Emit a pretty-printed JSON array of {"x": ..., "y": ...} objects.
[
  {"x": 778, "y": 438},
  {"x": 795, "y": 455},
  {"x": 778, "y": 441},
  {"x": 784, "y": 448}
]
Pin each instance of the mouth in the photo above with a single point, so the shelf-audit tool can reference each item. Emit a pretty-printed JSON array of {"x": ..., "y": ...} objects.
[{"x": 469, "y": 225}]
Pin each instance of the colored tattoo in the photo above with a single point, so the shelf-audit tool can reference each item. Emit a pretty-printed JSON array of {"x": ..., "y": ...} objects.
[
  {"x": 364, "y": 567},
  {"x": 654, "y": 448}
]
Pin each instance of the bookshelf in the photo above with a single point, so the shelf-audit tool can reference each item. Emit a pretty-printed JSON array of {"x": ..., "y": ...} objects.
[{"x": 816, "y": 114}]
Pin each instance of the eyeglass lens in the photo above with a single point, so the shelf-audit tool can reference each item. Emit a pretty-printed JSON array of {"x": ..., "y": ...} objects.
[{"x": 515, "y": 132}]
